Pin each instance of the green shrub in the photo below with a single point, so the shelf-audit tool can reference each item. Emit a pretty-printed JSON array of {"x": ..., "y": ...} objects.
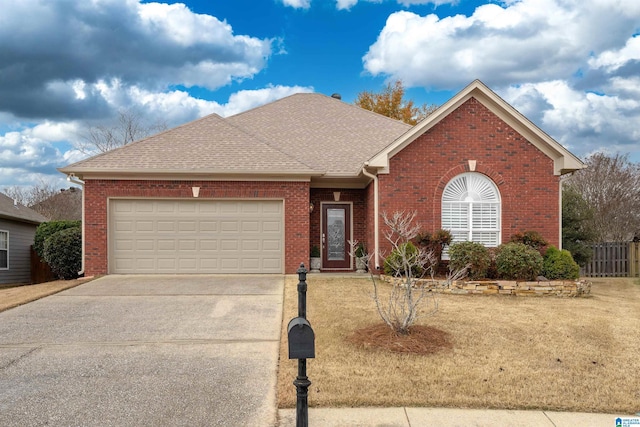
[
  {"x": 532, "y": 239},
  {"x": 559, "y": 264},
  {"x": 517, "y": 261},
  {"x": 470, "y": 253},
  {"x": 435, "y": 242},
  {"x": 402, "y": 259},
  {"x": 63, "y": 252},
  {"x": 315, "y": 252},
  {"x": 47, "y": 229}
]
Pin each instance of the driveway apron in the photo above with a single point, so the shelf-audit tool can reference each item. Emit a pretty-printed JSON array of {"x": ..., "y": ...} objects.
[{"x": 144, "y": 350}]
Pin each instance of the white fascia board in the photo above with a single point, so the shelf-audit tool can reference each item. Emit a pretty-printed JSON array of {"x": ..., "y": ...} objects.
[{"x": 198, "y": 176}]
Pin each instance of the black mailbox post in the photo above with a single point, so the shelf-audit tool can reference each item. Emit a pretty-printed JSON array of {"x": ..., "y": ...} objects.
[
  {"x": 302, "y": 347},
  {"x": 301, "y": 339}
]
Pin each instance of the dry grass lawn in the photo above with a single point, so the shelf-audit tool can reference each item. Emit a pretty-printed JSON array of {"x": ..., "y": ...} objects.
[
  {"x": 15, "y": 295},
  {"x": 575, "y": 354}
]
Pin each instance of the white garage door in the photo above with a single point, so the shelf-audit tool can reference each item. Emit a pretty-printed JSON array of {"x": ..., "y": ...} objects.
[{"x": 195, "y": 236}]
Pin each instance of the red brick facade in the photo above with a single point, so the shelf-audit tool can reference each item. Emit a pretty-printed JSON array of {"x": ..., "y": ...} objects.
[
  {"x": 417, "y": 176},
  {"x": 294, "y": 194},
  {"x": 523, "y": 174}
]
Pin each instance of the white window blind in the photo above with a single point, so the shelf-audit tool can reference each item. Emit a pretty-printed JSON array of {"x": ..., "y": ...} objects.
[{"x": 471, "y": 209}]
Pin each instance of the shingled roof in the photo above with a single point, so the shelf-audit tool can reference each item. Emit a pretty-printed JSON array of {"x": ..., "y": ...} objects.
[
  {"x": 333, "y": 136},
  {"x": 303, "y": 135},
  {"x": 15, "y": 211}
]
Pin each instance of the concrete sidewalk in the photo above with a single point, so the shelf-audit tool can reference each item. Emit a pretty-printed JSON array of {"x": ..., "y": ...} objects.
[{"x": 445, "y": 417}]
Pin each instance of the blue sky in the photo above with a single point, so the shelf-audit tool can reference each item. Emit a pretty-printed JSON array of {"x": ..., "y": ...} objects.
[{"x": 571, "y": 66}]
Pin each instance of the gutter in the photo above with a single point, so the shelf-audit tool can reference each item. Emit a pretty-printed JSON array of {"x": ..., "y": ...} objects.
[
  {"x": 376, "y": 232},
  {"x": 72, "y": 178}
]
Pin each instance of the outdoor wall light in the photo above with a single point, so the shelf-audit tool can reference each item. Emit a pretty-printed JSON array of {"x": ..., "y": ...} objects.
[{"x": 311, "y": 207}]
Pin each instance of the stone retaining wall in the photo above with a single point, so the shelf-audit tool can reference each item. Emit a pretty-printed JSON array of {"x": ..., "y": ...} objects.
[{"x": 568, "y": 288}]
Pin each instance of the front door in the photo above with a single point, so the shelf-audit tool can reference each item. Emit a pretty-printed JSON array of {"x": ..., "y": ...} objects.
[{"x": 336, "y": 232}]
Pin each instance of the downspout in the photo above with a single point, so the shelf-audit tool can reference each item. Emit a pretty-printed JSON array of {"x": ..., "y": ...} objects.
[
  {"x": 376, "y": 236},
  {"x": 72, "y": 178},
  {"x": 562, "y": 179}
]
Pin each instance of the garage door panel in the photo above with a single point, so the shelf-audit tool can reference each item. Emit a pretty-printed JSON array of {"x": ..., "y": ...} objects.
[
  {"x": 209, "y": 264},
  {"x": 271, "y": 245},
  {"x": 208, "y": 226},
  {"x": 144, "y": 226},
  {"x": 250, "y": 226},
  {"x": 271, "y": 263},
  {"x": 195, "y": 236},
  {"x": 232, "y": 264},
  {"x": 145, "y": 245},
  {"x": 251, "y": 245},
  {"x": 166, "y": 226},
  {"x": 208, "y": 245},
  {"x": 271, "y": 226}
]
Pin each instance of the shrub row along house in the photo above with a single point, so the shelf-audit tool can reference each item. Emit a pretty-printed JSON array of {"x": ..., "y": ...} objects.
[{"x": 255, "y": 192}]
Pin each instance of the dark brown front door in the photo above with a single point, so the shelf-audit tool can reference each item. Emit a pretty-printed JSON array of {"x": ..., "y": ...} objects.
[{"x": 336, "y": 232}]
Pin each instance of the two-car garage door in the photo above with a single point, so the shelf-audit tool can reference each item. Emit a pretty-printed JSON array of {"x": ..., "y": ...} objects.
[{"x": 195, "y": 236}]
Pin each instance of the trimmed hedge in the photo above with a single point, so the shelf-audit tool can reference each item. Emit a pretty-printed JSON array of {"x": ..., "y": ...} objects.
[
  {"x": 559, "y": 264},
  {"x": 47, "y": 229},
  {"x": 63, "y": 252},
  {"x": 517, "y": 261},
  {"x": 476, "y": 255}
]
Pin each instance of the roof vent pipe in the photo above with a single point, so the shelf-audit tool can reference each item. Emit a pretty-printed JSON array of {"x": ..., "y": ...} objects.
[{"x": 336, "y": 96}]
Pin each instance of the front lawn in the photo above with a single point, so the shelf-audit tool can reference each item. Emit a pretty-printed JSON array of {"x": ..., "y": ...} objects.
[{"x": 573, "y": 354}]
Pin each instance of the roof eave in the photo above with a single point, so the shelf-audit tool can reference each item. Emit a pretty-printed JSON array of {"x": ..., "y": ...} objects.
[
  {"x": 199, "y": 174},
  {"x": 21, "y": 219}
]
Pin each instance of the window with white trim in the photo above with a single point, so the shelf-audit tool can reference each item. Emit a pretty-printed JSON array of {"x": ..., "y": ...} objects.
[
  {"x": 4, "y": 250},
  {"x": 471, "y": 209}
]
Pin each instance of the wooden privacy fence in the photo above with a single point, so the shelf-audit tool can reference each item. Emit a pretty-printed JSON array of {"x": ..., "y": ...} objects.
[
  {"x": 40, "y": 270},
  {"x": 617, "y": 259}
]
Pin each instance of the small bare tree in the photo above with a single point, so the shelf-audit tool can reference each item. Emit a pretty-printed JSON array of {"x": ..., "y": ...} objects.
[
  {"x": 405, "y": 302},
  {"x": 128, "y": 128}
]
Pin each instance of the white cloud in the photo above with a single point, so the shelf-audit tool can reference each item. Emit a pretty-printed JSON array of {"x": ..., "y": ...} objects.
[
  {"x": 247, "y": 99},
  {"x": 345, "y": 4},
  {"x": 69, "y": 45},
  {"x": 613, "y": 59},
  {"x": 584, "y": 122},
  {"x": 22, "y": 154},
  {"x": 511, "y": 42},
  {"x": 297, "y": 4}
]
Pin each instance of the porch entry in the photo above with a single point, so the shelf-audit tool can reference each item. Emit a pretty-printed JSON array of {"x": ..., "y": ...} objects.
[{"x": 336, "y": 233}]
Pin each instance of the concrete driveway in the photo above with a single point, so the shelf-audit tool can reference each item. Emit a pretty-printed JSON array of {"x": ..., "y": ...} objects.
[{"x": 144, "y": 350}]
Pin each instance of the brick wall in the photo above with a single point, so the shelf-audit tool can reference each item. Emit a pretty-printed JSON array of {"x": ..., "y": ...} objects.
[
  {"x": 523, "y": 174},
  {"x": 294, "y": 194}
]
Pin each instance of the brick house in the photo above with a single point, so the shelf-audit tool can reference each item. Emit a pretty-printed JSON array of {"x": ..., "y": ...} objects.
[{"x": 254, "y": 192}]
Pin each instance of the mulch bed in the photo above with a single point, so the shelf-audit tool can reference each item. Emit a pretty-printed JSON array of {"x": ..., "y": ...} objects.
[{"x": 420, "y": 340}]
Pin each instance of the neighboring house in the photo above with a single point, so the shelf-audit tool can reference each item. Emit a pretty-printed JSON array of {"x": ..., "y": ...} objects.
[
  {"x": 63, "y": 206},
  {"x": 253, "y": 193},
  {"x": 17, "y": 230}
]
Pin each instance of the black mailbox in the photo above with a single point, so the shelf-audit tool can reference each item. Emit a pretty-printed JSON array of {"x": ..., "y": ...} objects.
[{"x": 301, "y": 339}]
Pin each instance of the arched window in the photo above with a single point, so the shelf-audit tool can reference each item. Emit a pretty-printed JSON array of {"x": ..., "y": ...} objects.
[{"x": 471, "y": 209}]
